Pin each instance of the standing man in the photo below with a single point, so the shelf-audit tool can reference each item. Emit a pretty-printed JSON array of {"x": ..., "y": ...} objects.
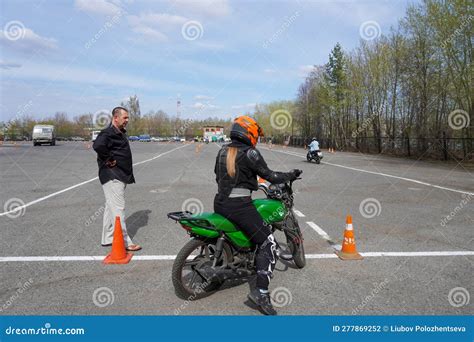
[{"x": 114, "y": 158}]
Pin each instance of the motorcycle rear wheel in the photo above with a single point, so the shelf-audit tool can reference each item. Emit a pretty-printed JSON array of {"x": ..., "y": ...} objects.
[{"x": 188, "y": 283}]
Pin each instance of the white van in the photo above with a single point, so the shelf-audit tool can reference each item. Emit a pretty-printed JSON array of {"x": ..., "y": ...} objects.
[
  {"x": 44, "y": 134},
  {"x": 94, "y": 135}
]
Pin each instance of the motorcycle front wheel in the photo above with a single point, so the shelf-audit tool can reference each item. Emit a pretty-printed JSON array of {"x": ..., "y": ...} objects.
[
  {"x": 294, "y": 239},
  {"x": 197, "y": 254},
  {"x": 295, "y": 243}
]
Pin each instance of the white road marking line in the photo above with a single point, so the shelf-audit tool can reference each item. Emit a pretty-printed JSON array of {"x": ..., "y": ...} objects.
[
  {"x": 81, "y": 258},
  {"x": 436, "y": 253},
  {"x": 319, "y": 230},
  {"x": 383, "y": 174},
  {"x": 172, "y": 257},
  {"x": 298, "y": 213},
  {"x": 160, "y": 155},
  {"x": 78, "y": 185},
  {"x": 396, "y": 254},
  {"x": 321, "y": 256}
]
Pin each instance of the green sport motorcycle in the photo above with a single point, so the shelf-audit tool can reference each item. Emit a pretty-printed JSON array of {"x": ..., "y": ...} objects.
[{"x": 218, "y": 251}]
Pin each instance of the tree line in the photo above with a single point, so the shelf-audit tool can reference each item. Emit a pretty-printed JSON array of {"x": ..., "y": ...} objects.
[
  {"x": 408, "y": 91},
  {"x": 155, "y": 123}
]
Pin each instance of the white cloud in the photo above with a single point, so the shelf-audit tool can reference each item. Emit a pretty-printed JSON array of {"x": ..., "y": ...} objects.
[
  {"x": 200, "y": 105},
  {"x": 153, "y": 25},
  {"x": 269, "y": 71},
  {"x": 304, "y": 70},
  {"x": 354, "y": 13},
  {"x": 161, "y": 20},
  {"x": 103, "y": 7},
  {"x": 203, "y": 98},
  {"x": 29, "y": 42},
  {"x": 8, "y": 65},
  {"x": 212, "y": 8},
  {"x": 209, "y": 45},
  {"x": 83, "y": 75},
  {"x": 150, "y": 33},
  {"x": 244, "y": 106},
  {"x": 234, "y": 72}
]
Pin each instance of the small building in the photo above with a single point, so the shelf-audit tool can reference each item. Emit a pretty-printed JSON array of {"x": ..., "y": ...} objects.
[{"x": 213, "y": 133}]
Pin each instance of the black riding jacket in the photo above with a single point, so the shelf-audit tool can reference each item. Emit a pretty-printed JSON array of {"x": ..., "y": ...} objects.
[
  {"x": 248, "y": 164},
  {"x": 112, "y": 144}
]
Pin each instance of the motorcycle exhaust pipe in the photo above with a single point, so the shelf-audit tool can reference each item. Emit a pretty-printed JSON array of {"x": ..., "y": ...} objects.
[{"x": 212, "y": 275}]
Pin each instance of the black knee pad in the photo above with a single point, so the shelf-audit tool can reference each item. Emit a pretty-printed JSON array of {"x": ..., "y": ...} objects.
[{"x": 268, "y": 249}]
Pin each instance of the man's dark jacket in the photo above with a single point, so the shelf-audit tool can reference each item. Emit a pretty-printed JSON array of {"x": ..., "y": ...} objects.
[{"x": 112, "y": 144}]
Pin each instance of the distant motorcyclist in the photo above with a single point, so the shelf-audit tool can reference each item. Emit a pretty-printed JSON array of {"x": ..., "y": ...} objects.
[
  {"x": 236, "y": 169},
  {"x": 314, "y": 145}
]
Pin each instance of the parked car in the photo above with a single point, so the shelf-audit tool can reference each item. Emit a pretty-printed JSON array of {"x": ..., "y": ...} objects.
[
  {"x": 144, "y": 138},
  {"x": 44, "y": 134},
  {"x": 133, "y": 138}
]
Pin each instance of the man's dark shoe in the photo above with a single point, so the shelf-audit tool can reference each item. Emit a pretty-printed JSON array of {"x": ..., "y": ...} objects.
[{"x": 262, "y": 300}]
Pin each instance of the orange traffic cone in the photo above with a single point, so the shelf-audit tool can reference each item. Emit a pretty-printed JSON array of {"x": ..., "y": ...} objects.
[
  {"x": 118, "y": 255},
  {"x": 348, "y": 250}
]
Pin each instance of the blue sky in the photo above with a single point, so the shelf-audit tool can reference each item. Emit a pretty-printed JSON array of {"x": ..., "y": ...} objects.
[{"x": 220, "y": 57}]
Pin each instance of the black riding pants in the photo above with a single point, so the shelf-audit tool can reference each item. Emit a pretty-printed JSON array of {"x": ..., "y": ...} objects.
[{"x": 244, "y": 215}]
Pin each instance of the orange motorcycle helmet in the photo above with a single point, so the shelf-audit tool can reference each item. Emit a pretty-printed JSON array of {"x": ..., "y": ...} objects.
[{"x": 246, "y": 130}]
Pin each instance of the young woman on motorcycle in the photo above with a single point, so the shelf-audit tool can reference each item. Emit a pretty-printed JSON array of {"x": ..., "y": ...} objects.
[{"x": 236, "y": 169}]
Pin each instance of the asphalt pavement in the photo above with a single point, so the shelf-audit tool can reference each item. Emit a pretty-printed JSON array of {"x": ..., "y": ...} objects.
[{"x": 413, "y": 222}]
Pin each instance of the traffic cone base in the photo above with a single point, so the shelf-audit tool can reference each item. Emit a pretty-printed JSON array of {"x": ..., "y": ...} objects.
[
  {"x": 348, "y": 250},
  {"x": 118, "y": 254},
  {"x": 109, "y": 259},
  {"x": 349, "y": 256}
]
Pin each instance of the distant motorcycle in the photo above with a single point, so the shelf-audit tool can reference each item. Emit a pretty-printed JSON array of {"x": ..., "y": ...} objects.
[{"x": 314, "y": 155}]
